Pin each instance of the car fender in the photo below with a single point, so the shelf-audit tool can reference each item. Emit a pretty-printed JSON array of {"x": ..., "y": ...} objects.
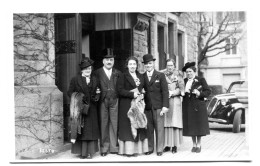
[{"x": 235, "y": 107}]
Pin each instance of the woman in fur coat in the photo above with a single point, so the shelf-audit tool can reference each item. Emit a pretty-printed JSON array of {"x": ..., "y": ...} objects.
[
  {"x": 85, "y": 141},
  {"x": 173, "y": 118},
  {"x": 195, "y": 117},
  {"x": 129, "y": 87}
]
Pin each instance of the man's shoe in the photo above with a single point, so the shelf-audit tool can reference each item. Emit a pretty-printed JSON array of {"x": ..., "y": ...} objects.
[
  {"x": 166, "y": 149},
  {"x": 159, "y": 153},
  {"x": 103, "y": 154},
  {"x": 148, "y": 153},
  {"x": 174, "y": 149},
  {"x": 194, "y": 149},
  {"x": 82, "y": 157},
  {"x": 198, "y": 149},
  {"x": 113, "y": 152}
]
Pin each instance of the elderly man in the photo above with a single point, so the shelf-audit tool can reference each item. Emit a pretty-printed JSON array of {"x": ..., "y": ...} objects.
[
  {"x": 108, "y": 104},
  {"x": 157, "y": 104}
]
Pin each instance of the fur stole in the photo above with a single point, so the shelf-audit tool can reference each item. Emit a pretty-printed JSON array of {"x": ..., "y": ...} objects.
[
  {"x": 136, "y": 115},
  {"x": 76, "y": 121}
]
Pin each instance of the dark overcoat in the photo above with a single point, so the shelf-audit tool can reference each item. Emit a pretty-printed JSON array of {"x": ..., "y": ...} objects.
[
  {"x": 157, "y": 94},
  {"x": 90, "y": 130},
  {"x": 124, "y": 85},
  {"x": 195, "y": 118}
]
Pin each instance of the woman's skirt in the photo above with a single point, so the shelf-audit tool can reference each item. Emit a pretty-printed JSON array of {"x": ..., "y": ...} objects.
[
  {"x": 85, "y": 147},
  {"x": 173, "y": 136},
  {"x": 130, "y": 147}
]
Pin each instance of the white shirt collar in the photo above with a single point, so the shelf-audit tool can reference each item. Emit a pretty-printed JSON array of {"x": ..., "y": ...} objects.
[
  {"x": 150, "y": 73},
  {"x": 108, "y": 72}
]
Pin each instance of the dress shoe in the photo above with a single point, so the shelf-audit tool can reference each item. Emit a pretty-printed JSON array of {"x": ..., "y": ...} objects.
[
  {"x": 113, "y": 152},
  {"x": 198, "y": 149},
  {"x": 194, "y": 149},
  {"x": 148, "y": 153},
  {"x": 103, "y": 154},
  {"x": 166, "y": 149},
  {"x": 174, "y": 149},
  {"x": 159, "y": 153},
  {"x": 89, "y": 156},
  {"x": 82, "y": 157}
]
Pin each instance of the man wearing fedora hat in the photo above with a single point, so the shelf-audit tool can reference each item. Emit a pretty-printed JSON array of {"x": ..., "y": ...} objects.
[
  {"x": 157, "y": 103},
  {"x": 108, "y": 111}
]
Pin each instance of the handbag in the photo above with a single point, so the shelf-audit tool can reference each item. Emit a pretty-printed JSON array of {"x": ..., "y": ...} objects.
[{"x": 85, "y": 109}]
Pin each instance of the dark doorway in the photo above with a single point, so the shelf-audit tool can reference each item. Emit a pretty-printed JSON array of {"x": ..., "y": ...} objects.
[
  {"x": 171, "y": 43},
  {"x": 161, "y": 46},
  {"x": 119, "y": 40},
  {"x": 180, "y": 50}
]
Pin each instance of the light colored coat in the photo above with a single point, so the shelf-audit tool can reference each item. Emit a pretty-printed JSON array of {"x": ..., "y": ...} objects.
[{"x": 173, "y": 118}]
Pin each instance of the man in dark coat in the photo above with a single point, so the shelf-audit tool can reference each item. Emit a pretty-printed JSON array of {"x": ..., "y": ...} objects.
[
  {"x": 157, "y": 103},
  {"x": 108, "y": 110}
]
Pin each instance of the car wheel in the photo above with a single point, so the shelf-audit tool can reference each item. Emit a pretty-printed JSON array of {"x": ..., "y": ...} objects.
[{"x": 237, "y": 121}]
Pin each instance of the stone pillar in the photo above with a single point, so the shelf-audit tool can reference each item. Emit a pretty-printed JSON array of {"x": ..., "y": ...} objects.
[
  {"x": 140, "y": 39},
  {"x": 38, "y": 102}
]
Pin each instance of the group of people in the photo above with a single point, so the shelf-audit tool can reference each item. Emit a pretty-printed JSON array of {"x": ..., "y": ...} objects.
[{"x": 165, "y": 106}]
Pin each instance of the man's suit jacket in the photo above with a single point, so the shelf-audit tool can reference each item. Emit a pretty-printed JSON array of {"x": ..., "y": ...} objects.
[
  {"x": 103, "y": 81},
  {"x": 157, "y": 94}
]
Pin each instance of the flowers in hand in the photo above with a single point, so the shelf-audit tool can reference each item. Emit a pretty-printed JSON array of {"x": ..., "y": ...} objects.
[{"x": 137, "y": 82}]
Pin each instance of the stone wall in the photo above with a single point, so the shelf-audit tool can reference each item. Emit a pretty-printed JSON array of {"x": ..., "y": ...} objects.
[
  {"x": 38, "y": 102},
  {"x": 186, "y": 20}
]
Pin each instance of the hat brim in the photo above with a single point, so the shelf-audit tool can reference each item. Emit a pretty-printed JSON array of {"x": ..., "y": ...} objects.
[
  {"x": 109, "y": 56},
  {"x": 188, "y": 65},
  {"x": 149, "y": 60},
  {"x": 86, "y": 65}
]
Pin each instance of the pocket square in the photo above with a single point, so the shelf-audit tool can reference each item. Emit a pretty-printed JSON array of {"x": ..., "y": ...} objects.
[{"x": 157, "y": 81}]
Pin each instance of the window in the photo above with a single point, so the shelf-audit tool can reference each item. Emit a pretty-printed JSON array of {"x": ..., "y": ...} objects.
[
  {"x": 234, "y": 16},
  {"x": 231, "y": 46}
]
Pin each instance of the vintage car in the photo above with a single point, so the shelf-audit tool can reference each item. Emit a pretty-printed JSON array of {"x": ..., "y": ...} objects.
[{"x": 227, "y": 108}]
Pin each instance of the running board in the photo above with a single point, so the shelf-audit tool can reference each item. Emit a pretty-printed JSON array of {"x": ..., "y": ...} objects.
[{"x": 217, "y": 120}]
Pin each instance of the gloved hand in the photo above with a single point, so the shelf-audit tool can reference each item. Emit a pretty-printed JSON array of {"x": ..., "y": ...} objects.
[
  {"x": 163, "y": 111},
  {"x": 73, "y": 141}
]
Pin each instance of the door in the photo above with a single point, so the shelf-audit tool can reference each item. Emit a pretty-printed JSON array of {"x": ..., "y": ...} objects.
[
  {"x": 67, "y": 57},
  {"x": 120, "y": 40}
]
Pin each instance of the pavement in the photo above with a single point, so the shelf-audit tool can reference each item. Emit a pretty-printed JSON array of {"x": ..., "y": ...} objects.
[{"x": 220, "y": 145}]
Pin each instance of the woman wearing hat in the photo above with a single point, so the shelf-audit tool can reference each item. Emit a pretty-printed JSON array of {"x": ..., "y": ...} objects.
[
  {"x": 195, "y": 118},
  {"x": 86, "y": 142}
]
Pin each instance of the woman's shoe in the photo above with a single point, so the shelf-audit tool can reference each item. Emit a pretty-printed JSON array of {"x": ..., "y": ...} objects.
[
  {"x": 82, "y": 157},
  {"x": 89, "y": 156},
  {"x": 166, "y": 149},
  {"x": 194, "y": 149},
  {"x": 174, "y": 149},
  {"x": 198, "y": 149}
]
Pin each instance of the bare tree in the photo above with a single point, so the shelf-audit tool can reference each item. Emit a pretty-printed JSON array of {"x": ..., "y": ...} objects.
[{"x": 213, "y": 33}]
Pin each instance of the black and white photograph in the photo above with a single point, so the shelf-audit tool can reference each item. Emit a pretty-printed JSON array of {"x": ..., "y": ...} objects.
[{"x": 131, "y": 86}]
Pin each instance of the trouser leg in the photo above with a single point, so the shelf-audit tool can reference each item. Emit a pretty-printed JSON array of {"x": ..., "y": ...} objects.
[
  {"x": 104, "y": 123},
  {"x": 150, "y": 129},
  {"x": 113, "y": 128},
  {"x": 159, "y": 129}
]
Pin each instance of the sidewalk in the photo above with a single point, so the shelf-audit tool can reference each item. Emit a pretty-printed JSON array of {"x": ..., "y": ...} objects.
[{"x": 220, "y": 145}]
